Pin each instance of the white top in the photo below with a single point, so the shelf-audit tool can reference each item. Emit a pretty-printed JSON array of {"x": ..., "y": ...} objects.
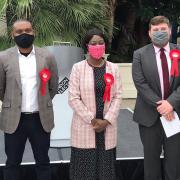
[
  {"x": 158, "y": 60},
  {"x": 28, "y": 75}
]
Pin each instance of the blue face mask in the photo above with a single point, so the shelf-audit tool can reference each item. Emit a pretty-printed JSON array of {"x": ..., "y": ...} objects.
[{"x": 160, "y": 38}]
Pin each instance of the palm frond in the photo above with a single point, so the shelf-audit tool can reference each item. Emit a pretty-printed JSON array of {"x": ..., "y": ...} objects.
[{"x": 64, "y": 20}]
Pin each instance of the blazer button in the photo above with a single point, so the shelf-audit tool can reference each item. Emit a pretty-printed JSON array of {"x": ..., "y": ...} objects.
[
  {"x": 19, "y": 106},
  {"x": 21, "y": 93}
]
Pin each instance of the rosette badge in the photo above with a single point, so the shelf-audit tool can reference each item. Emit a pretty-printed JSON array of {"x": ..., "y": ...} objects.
[
  {"x": 45, "y": 76},
  {"x": 175, "y": 57},
  {"x": 109, "y": 80}
]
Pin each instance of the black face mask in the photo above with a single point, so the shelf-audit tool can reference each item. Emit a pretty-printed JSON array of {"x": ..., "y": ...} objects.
[{"x": 24, "y": 40}]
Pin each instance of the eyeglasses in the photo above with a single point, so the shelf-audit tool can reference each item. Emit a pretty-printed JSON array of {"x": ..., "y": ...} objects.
[{"x": 21, "y": 31}]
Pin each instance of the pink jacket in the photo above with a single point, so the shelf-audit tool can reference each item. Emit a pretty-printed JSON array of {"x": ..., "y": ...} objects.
[{"x": 82, "y": 101}]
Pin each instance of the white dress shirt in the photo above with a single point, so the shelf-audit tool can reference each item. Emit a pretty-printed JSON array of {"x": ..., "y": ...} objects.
[
  {"x": 28, "y": 75},
  {"x": 158, "y": 60}
]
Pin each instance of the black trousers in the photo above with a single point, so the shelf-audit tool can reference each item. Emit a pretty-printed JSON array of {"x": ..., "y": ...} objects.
[
  {"x": 154, "y": 139},
  {"x": 29, "y": 128}
]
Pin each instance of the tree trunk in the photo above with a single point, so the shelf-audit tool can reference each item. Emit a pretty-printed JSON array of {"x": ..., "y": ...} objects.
[
  {"x": 112, "y": 7},
  {"x": 126, "y": 41},
  {"x": 3, "y": 26}
]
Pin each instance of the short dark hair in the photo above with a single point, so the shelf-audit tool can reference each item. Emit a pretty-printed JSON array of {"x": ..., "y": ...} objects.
[
  {"x": 158, "y": 20},
  {"x": 21, "y": 20},
  {"x": 90, "y": 33}
]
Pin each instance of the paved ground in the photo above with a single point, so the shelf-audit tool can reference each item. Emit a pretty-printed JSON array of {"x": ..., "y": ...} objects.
[{"x": 129, "y": 144}]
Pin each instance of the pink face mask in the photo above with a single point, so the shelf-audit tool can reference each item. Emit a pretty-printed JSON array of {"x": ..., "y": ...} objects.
[{"x": 96, "y": 51}]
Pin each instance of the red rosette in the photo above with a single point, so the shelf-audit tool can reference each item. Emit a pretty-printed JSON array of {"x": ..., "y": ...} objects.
[
  {"x": 45, "y": 76},
  {"x": 175, "y": 56},
  {"x": 109, "y": 80}
]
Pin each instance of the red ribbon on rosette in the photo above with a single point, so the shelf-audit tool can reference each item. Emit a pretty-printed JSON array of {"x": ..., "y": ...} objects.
[
  {"x": 109, "y": 80},
  {"x": 45, "y": 76},
  {"x": 175, "y": 56}
]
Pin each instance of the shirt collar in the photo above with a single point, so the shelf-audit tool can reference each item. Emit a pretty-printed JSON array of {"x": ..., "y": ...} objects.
[
  {"x": 31, "y": 53},
  {"x": 166, "y": 48}
]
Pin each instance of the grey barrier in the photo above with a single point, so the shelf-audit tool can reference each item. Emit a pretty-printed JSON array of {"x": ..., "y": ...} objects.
[{"x": 65, "y": 56}]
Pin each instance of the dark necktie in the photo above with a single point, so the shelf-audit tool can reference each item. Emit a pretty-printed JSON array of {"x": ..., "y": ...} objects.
[{"x": 165, "y": 72}]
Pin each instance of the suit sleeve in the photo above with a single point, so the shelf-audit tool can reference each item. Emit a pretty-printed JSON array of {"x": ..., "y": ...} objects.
[
  {"x": 53, "y": 82},
  {"x": 75, "y": 97},
  {"x": 142, "y": 86},
  {"x": 174, "y": 99},
  {"x": 114, "y": 108},
  {"x": 2, "y": 81}
]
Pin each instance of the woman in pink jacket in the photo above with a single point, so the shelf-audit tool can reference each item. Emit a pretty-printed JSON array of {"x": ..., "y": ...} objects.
[{"x": 95, "y": 97}]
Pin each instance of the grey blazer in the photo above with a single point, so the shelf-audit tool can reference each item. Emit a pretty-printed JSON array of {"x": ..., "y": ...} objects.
[
  {"x": 11, "y": 90},
  {"x": 147, "y": 82}
]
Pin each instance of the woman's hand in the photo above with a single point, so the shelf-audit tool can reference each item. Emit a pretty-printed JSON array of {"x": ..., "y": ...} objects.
[{"x": 99, "y": 125}]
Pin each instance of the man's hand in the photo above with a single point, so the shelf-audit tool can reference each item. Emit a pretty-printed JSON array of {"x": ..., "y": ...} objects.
[
  {"x": 100, "y": 125},
  {"x": 164, "y": 108},
  {"x": 170, "y": 116}
]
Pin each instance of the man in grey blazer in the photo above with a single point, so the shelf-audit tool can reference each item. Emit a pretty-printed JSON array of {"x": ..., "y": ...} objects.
[
  {"x": 27, "y": 110},
  {"x": 158, "y": 94}
]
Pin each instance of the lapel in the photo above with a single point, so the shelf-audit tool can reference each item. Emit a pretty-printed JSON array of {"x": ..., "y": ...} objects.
[
  {"x": 153, "y": 65},
  {"x": 39, "y": 64},
  {"x": 14, "y": 60},
  {"x": 108, "y": 68},
  {"x": 13, "y": 55},
  {"x": 172, "y": 46}
]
